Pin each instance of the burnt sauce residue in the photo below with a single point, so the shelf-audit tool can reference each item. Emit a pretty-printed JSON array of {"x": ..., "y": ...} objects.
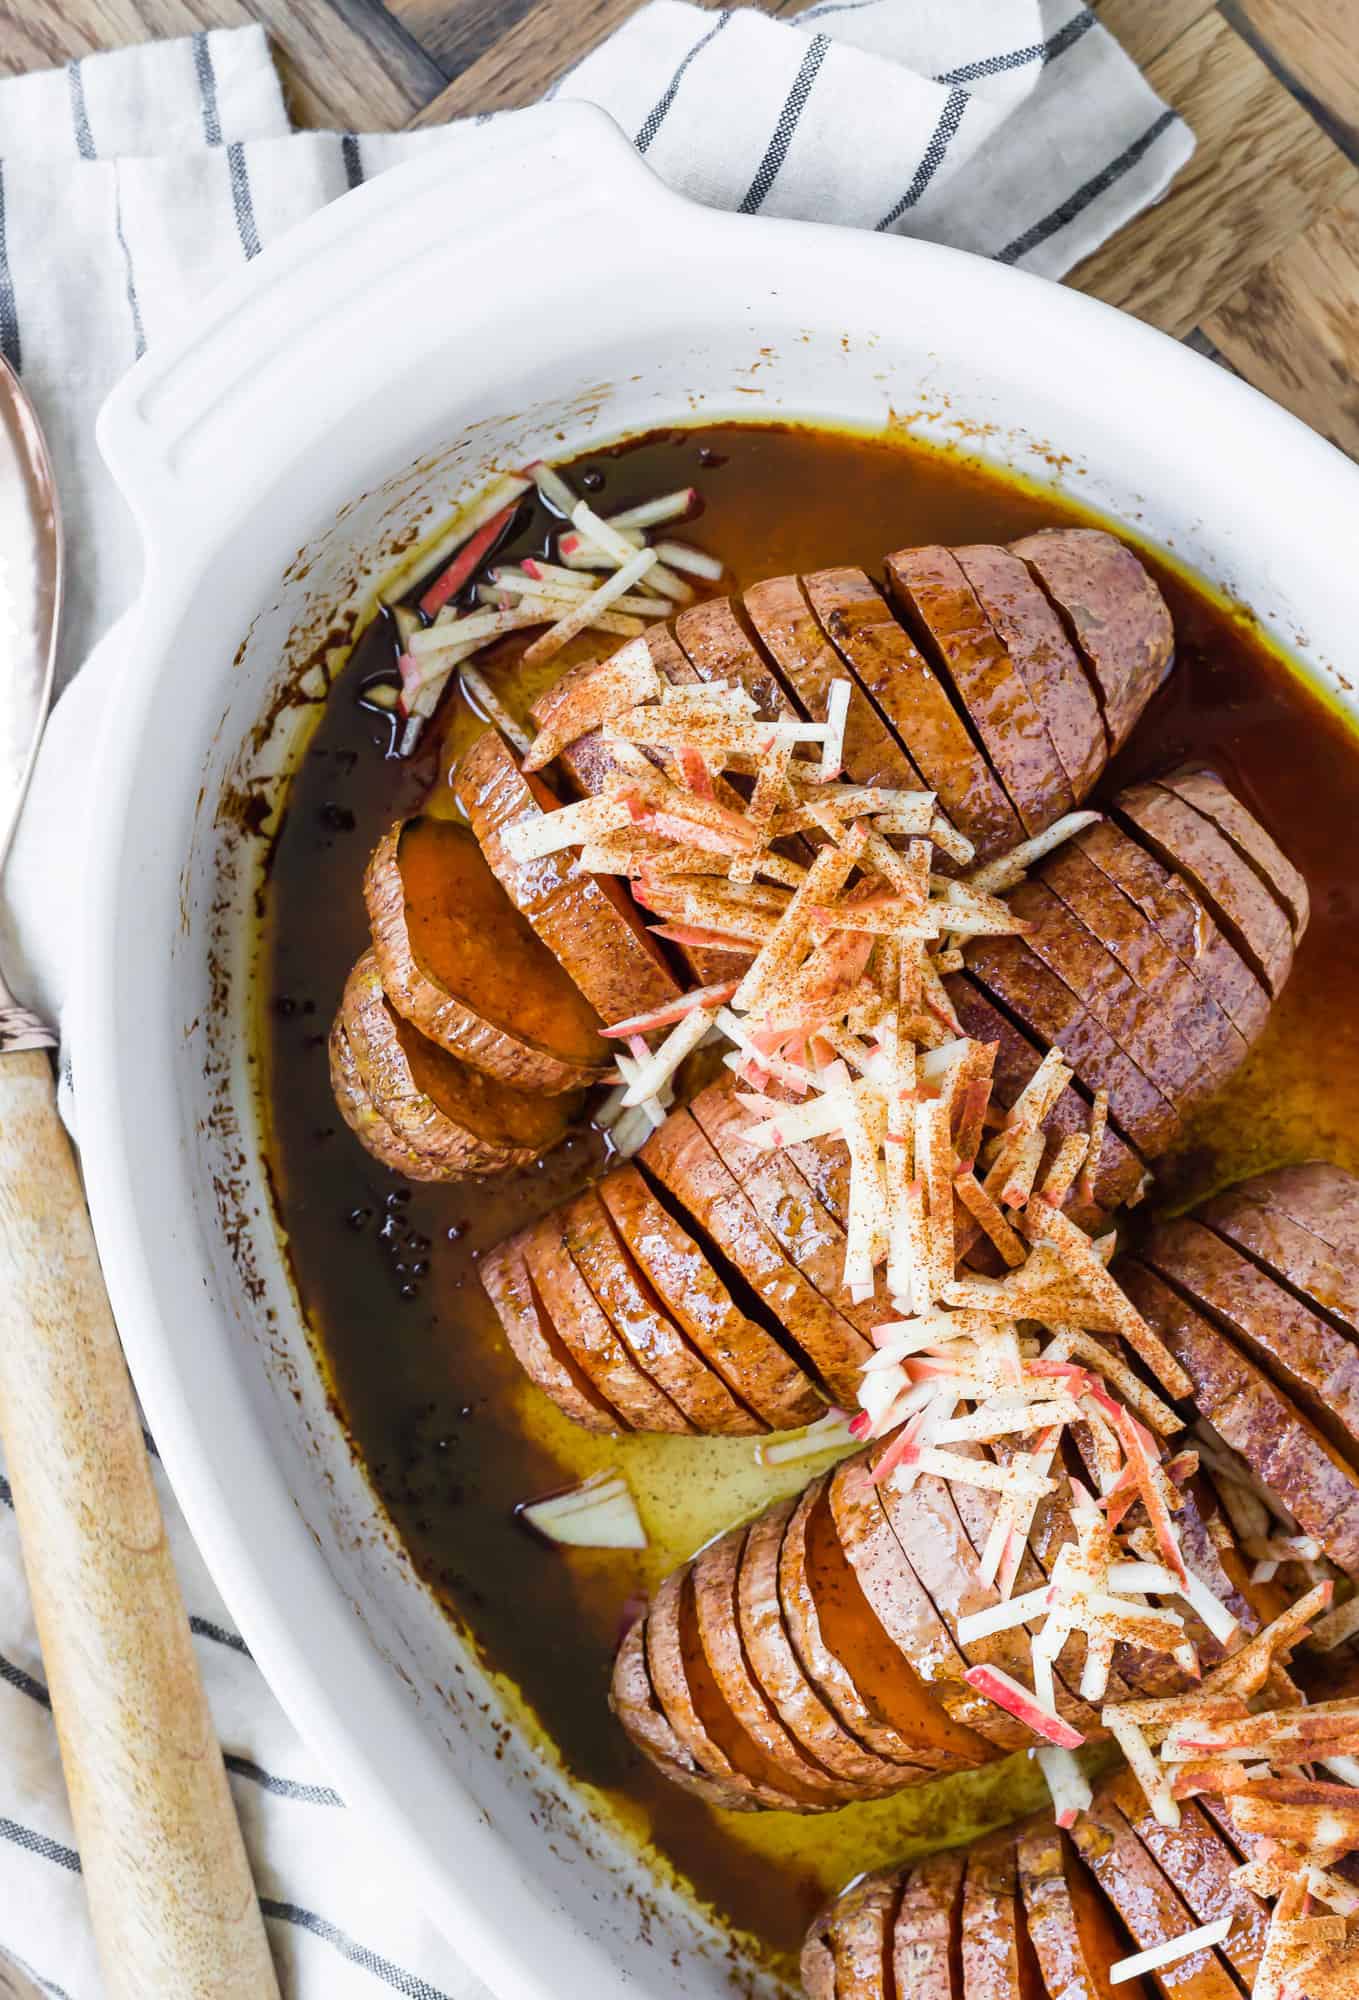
[{"x": 440, "y": 1414}]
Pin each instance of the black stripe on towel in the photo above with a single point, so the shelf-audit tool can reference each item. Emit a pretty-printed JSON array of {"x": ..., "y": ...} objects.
[
  {"x": 353, "y": 160},
  {"x": 207, "y": 88},
  {"x": 241, "y": 199},
  {"x": 777, "y": 150},
  {"x": 660, "y": 110},
  {"x": 80, "y": 117},
  {"x": 950, "y": 118},
  {"x": 394, "y": 1976},
  {"x": 15, "y": 1677},
  {"x": 10, "y": 345},
  {"x": 39, "y": 1844},
  {"x": 1099, "y": 184},
  {"x": 203, "y": 1628},
  {"x": 1045, "y": 52},
  {"x": 283, "y": 1788}
]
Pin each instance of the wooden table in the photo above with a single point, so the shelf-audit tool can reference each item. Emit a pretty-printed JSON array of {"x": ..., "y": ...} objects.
[{"x": 1254, "y": 257}]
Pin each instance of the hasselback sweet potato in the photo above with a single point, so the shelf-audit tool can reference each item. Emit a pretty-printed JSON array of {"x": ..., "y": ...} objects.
[{"x": 1035, "y": 1913}]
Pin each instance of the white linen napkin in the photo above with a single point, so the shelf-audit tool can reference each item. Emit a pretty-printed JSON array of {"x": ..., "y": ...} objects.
[{"x": 130, "y": 183}]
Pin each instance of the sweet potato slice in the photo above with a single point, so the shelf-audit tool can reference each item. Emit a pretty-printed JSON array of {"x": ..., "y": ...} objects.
[
  {"x": 633, "y": 1700},
  {"x": 775, "y": 1756},
  {"x": 817, "y": 1965},
  {"x": 681, "y": 1157},
  {"x": 926, "y": 1947},
  {"x": 860, "y": 1937},
  {"x": 779, "y": 1672},
  {"x": 808, "y": 1234},
  {"x": 594, "y": 1347},
  {"x": 869, "y": 1527},
  {"x": 1032, "y": 634},
  {"x": 367, "y": 1124},
  {"x": 1148, "y": 960},
  {"x": 458, "y": 1120},
  {"x": 1147, "y": 1902},
  {"x": 462, "y": 965},
  {"x": 1136, "y": 1020},
  {"x": 892, "y": 671},
  {"x": 1183, "y": 921},
  {"x": 1113, "y": 612},
  {"x": 538, "y": 1347},
  {"x": 691, "y": 1704},
  {"x": 1013, "y": 975},
  {"x": 1325, "y": 1278},
  {"x": 1285, "y": 1452},
  {"x": 651, "y": 1336},
  {"x": 1239, "y": 901},
  {"x": 784, "y": 621},
  {"x": 1207, "y": 793},
  {"x": 844, "y": 1650},
  {"x": 588, "y": 922},
  {"x": 1074, "y": 1935},
  {"x": 749, "y": 1360},
  {"x": 717, "y": 646},
  {"x": 949, "y": 625},
  {"x": 998, "y": 1961},
  {"x": 1120, "y": 1178},
  {"x": 1199, "y": 1864},
  {"x": 1320, "y": 1198},
  {"x": 1317, "y": 1364}
]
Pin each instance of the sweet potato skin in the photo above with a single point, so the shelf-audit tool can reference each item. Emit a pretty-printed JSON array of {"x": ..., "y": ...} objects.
[
  {"x": 1207, "y": 793},
  {"x": 1151, "y": 1911},
  {"x": 890, "y": 668},
  {"x": 363, "y": 1118},
  {"x": 1031, "y": 632},
  {"x": 786, "y": 625},
  {"x": 1289, "y": 1238},
  {"x": 1182, "y": 920},
  {"x": 780, "y": 1674},
  {"x": 1243, "y": 907},
  {"x": 475, "y": 1125},
  {"x": 656, "y": 1344},
  {"x": 633, "y": 1700},
  {"x": 681, "y": 1156},
  {"x": 1126, "y": 933},
  {"x": 1115, "y": 613},
  {"x": 1318, "y": 1363},
  {"x": 507, "y": 1284},
  {"x": 1282, "y": 1448},
  {"x": 1010, "y": 971},
  {"x": 520, "y": 1056},
  {"x": 949, "y": 624},
  {"x": 751, "y": 1363}
]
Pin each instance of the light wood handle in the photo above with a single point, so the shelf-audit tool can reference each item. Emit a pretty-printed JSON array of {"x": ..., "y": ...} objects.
[{"x": 173, "y": 1905}]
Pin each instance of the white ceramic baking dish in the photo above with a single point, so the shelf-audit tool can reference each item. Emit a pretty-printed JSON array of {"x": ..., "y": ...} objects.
[{"x": 529, "y": 288}]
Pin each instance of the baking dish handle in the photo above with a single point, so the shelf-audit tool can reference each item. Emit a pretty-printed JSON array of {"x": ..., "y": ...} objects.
[{"x": 279, "y": 354}]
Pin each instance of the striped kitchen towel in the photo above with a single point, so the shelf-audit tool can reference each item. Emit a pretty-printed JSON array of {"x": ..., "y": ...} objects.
[{"x": 130, "y": 183}]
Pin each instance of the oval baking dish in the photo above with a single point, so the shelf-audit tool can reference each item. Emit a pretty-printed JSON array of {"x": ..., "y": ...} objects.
[{"x": 274, "y": 468}]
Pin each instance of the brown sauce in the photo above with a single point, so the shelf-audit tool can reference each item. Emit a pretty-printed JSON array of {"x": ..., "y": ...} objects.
[{"x": 449, "y": 1431}]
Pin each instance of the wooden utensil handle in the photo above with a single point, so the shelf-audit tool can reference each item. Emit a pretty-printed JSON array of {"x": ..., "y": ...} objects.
[{"x": 173, "y": 1905}]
